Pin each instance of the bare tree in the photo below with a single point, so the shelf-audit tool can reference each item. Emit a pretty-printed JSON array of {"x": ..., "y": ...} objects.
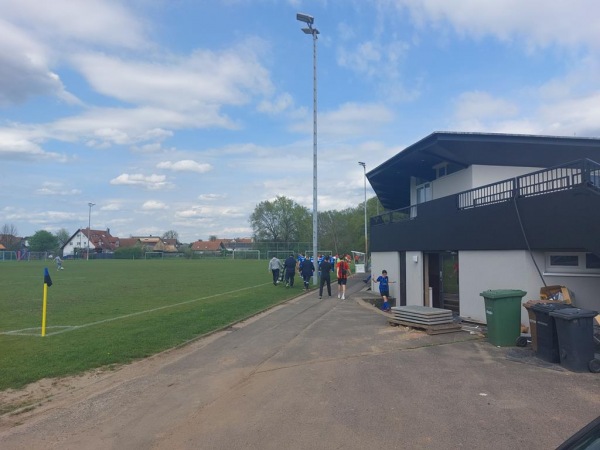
[
  {"x": 171, "y": 234},
  {"x": 8, "y": 237},
  {"x": 63, "y": 236}
]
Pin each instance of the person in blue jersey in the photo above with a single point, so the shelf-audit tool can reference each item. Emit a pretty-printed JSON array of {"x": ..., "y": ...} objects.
[
  {"x": 384, "y": 289},
  {"x": 325, "y": 268},
  {"x": 307, "y": 269},
  {"x": 289, "y": 269}
]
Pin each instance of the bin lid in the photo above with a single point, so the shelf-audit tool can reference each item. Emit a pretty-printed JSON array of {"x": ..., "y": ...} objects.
[
  {"x": 549, "y": 307},
  {"x": 573, "y": 313},
  {"x": 529, "y": 303},
  {"x": 503, "y": 293}
]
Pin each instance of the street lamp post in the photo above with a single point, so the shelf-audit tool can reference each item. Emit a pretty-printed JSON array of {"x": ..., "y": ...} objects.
[
  {"x": 309, "y": 29},
  {"x": 90, "y": 204},
  {"x": 364, "y": 166}
]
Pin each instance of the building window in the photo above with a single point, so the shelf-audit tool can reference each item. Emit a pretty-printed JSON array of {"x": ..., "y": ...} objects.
[{"x": 576, "y": 263}]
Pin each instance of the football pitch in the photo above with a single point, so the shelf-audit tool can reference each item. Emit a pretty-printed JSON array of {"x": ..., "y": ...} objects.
[{"x": 110, "y": 312}]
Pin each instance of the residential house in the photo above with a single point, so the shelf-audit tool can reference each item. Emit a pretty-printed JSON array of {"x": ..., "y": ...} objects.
[
  {"x": 218, "y": 245},
  {"x": 98, "y": 241},
  {"x": 468, "y": 212}
]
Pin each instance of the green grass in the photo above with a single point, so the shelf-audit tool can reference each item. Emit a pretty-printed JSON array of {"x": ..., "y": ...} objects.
[{"x": 125, "y": 310}]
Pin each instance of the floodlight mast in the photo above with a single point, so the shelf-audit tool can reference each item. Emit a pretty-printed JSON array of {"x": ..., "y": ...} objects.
[
  {"x": 309, "y": 20},
  {"x": 364, "y": 166},
  {"x": 87, "y": 256}
]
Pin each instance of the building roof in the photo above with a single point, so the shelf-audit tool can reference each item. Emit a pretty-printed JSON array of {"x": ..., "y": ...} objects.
[
  {"x": 221, "y": 244},
  {"x": 391, "y": 180}
]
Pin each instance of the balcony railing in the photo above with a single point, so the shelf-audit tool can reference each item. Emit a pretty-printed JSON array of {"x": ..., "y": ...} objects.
[{"x": 578, "y": 173}]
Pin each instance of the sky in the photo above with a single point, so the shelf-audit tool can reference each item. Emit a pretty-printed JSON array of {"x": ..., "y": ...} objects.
[{"x": 185, "y": 114}]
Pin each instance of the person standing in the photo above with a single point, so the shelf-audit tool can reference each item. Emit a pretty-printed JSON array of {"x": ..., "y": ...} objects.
[
  {"x": 289, "y": 267},
  {"x": 384, "y": 289},
  {"x": 343, "y": 270},
  {"x": 325, "y": 269},
  {"x": 275, "y": 267},
  {"x": 307, "y": 269},
  {"x": 58, "y": 262}
]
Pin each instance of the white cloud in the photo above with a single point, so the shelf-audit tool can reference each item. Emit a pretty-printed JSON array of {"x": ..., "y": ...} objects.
[
  {"x": 282, "y": 103},
  {"x": 103, "y": 22},
  {"x": 201, "y": 81},
  {"x": 154, "y": 205},
  {"x": 151, "y": 182},
  {"x": 538, "y": 23},
  {"x": 212, "y": 197},
  {"x": 349, "y": 119},
  {"x": 185, "y": 165},
  {"x": 482, "y": 105},
  {"x": 55, "y": 188}
]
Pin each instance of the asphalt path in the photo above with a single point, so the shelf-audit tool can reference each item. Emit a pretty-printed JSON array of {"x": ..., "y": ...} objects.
[{"x": 321, "y": 374}]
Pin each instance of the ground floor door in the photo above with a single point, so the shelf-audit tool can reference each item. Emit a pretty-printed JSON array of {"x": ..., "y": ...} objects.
[{"x": 441, "y": 281}]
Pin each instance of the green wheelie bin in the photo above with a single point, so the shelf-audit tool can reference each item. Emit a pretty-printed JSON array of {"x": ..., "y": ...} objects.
[{"x": 503, "y": 315}]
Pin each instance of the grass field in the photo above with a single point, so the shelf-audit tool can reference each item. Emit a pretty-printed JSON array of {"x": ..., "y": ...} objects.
[{"x": 107, "y": 312}]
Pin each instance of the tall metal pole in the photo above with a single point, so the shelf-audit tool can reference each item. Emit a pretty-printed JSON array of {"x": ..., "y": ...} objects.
[
  {"x": 309, "y": 20},
  {"x": 90, "y": 204},
  {"x": 364, "y": 166}
]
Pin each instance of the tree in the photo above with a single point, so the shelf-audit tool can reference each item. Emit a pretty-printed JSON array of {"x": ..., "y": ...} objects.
[
  {"x": 43, "y": 241},
  {"x": 281, "y": 220},
  {"x": 8, "y": 237},
  {"x": 62, "y": 236},
  {"x": 171, "y": 234}
]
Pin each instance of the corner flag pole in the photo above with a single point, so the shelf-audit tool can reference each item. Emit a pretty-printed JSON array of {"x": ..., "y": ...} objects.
[{"x": 47, "y": 283}]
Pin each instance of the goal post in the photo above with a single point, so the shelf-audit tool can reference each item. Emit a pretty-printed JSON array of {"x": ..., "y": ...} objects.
[
  {"x": 153, "y": 255},
  {"x": 246, "y": 254},
  {"x": 279, "y": 254},
  {"x": 6, "y": 255}
]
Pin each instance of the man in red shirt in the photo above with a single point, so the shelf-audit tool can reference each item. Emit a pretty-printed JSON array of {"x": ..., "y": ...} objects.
[{"x": 343, "y": 270}]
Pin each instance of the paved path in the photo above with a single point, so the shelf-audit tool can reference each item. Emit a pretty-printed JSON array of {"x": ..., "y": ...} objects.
[{"x": 322, "y": 374}]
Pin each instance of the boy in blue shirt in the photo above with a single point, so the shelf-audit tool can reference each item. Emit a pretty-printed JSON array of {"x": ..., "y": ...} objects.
[{"x": 384, "y": 289}]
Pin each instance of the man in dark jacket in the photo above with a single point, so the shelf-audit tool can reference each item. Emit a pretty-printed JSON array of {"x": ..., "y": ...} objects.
[
  {"x": 289, "y": 269},
  {"x": 307, "y": 269},
  {"x": 326, "y": 269}
]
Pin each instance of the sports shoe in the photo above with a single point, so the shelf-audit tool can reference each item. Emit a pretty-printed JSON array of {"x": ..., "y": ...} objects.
[
  {"x": 339, "y": 296},
  {"x": 320, "y": 297},
  {"x": 343, "y": 297}
]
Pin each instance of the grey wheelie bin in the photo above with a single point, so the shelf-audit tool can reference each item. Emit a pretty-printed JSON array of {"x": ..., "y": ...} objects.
[
  {"x": 546, "y": 335},
  {"x": 575, "y": 329}
]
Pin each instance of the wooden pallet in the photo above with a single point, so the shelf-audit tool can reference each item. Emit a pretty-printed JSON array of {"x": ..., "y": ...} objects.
[{"x": 429, "y": 329}]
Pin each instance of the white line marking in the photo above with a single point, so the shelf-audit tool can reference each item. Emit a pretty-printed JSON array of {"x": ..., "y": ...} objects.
[{"x": 65, "y": 328}]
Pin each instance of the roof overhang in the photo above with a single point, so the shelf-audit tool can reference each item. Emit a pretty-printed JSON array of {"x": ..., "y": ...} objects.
[{"x": 391, "y": 180}]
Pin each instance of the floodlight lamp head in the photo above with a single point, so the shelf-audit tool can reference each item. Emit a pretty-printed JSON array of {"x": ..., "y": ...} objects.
[
  {"x": 362, "y": 163},
  {"x": 305, "y": 18}
]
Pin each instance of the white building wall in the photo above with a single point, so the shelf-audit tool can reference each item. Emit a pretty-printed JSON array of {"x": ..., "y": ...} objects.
[
  {"x": 483, "y": 270},
  {"x": 414, "y": 278},
  {"x": 480, "y": 271},
  {"x": 482, "y": 175},
  {"x": 469, "y": 178},
  {"x": 79, "y": 240},
  {"x": 389, "y": 261},
  {"x": 453, "y": 183}
]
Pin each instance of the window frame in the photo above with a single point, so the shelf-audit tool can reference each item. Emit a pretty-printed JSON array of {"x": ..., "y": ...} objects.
[{"x": 579, "y": 269}]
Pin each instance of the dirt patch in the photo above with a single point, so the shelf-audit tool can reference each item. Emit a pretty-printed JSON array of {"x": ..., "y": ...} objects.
[{"x": 17, "y": 405}]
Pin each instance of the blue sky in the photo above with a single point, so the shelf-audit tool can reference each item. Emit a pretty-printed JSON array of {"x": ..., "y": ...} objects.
[{"x": 185, "y": 114}]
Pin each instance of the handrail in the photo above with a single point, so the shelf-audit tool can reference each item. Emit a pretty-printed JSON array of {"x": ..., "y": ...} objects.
[{"x": 583, "y": 172}]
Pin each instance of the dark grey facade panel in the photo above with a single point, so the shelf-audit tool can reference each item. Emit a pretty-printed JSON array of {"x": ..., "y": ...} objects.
[{"x": 565, "y": 220}]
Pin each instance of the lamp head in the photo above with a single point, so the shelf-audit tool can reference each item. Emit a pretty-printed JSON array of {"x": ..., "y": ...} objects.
[{"x": 305, "y": 18}]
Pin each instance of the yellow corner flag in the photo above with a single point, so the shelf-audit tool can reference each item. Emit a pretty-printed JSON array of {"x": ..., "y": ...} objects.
[{"x": 47, "y": 284}]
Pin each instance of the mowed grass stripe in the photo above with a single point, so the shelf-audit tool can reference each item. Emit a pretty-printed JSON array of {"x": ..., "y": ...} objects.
[
  {"x": 66, "y": 328},
  {"x": 98, "y": 292}
]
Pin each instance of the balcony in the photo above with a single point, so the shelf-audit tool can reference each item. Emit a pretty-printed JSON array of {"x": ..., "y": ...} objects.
[{"x": 556, "y": 208}]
